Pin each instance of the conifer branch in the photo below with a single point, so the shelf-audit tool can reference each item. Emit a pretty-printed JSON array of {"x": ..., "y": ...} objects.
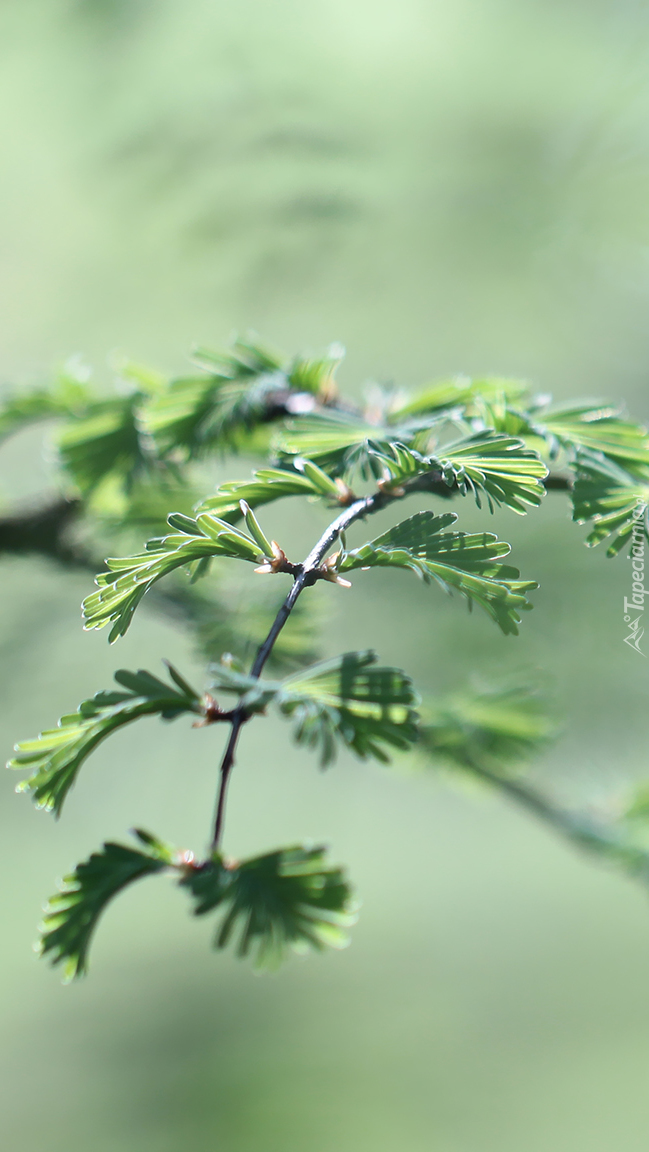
[{"x": 124, "y": 458}]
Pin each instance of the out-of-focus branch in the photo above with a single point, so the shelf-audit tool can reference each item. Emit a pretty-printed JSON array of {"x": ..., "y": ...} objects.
[
  {"x": 45, "y": 530},
  {"x": 587, "y": 832}
]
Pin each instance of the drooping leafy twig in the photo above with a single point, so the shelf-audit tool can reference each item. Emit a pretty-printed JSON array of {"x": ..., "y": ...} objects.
[
  {"x": 289, "y": 899},
  {"x": 468, "y": 563},
  {"x": 349, "y": 697},
  {"x": 128, "y": 579},
  {"x": 72, "y": 915},
  {"x": 55, "y": 757}
]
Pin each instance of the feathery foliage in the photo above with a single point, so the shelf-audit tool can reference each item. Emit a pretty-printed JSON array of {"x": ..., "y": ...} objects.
[
  {"x": 348, "y": 698},
  {"x": 613, "y": 498},
  {"x": 125, "y": 459},
  {"x": 501, "y": 467},
  {"x": 73, "y": 914},
  {"x": 496, "y": 727},
  {"x": 67, "y": 396},
  {"x": 104, "y": 444},
  {"x": 242, "y": 391},
  {"x": 268, "y": 485},
  {"x": 459, "y": 394},
  {"x": 468, "y": 563},
  {"x": 128, "y": 579},
  {"x": 55, "y": 757},
  {"x": 339, "y": 442},
  {"x": 285, "y": 900},
  {"x": 217, "y": 408},
  {"x": 598, "y": 427}
]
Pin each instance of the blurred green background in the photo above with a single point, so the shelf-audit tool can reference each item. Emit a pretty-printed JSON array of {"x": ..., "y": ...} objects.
[{"x": 442, "y": 186}]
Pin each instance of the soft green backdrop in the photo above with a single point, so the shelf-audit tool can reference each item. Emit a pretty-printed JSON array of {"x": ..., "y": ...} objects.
[{"x": 442, "y": 186}]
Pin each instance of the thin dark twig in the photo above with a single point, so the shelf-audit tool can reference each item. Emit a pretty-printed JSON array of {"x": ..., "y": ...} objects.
[
  {"x": 227, "y": 765},
  {"x": 306, "y": 574}
]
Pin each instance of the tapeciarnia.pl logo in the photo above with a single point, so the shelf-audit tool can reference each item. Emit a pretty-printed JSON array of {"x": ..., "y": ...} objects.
[{"x": 634, "y": 608}]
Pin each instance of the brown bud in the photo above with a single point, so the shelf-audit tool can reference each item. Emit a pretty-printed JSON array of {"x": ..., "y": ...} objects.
[
  {"x": 388, "y": 488},
  {"x": 345, "y": 496},
  {"x": 328, "y": 571},
  {"x": 279, "y": 561}
]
